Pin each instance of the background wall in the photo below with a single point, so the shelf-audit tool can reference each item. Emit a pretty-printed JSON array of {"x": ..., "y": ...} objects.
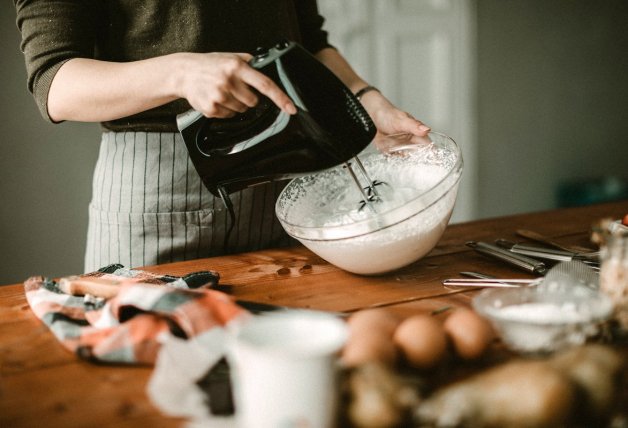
[
  {"x": 552, "y": 99},
  {"x": 421, "y": 55},
  {"x": 552, "y": 83},
  {"x": 45, "y": 175}
]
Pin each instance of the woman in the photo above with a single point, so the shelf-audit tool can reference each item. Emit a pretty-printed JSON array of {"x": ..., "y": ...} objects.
[{"x": 133, "y": 66}]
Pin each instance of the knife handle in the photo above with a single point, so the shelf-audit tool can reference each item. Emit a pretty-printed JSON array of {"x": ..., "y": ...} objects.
[
  {"x": 80, "y": 286},
  {"x": 526, "y": 263},
  {"x": 95, "y": 286}
]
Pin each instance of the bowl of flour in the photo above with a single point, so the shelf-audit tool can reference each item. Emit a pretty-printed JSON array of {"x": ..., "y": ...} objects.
[
  {"x": 533, "y": 320},
  {"x": 325, "y": 212}
]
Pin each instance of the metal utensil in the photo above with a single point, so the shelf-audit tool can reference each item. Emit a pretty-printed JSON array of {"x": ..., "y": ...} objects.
[
  {"x": 479, "y": 275},
  {"x": 564, "y": 275},
  {"x": 480, "y": 280},
  {"x": 490, "y": 282},
  {"x": 535, "y": 236},
  {"x": 547, "y": 253},
  {"x": 469, "y": 274},
  {"x": 367, "y": 188},
  {"x": 523, "y": 262}
]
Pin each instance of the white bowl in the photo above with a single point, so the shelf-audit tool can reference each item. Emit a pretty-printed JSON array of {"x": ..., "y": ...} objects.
[
  {"x": 533, "y": 320},
  {"x": 322, "y": 210},
  {"x": 617, "y": 227}
]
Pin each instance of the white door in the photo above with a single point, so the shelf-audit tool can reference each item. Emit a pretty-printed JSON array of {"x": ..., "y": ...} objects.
[{"x": 420, "y": 54}]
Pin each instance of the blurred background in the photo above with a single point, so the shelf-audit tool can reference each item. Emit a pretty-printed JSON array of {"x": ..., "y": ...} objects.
[{"x": 534, "y": 91}]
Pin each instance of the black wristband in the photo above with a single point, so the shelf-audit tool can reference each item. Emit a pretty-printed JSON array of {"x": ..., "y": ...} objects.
[{"x": 364, "y": 90}]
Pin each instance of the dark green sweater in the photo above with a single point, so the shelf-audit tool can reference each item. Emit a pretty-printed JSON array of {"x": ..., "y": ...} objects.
[{"x": 54, "y": 31}]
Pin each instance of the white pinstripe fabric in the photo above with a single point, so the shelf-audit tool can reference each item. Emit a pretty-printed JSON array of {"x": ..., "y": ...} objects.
[{"x": 149, "y": 206}]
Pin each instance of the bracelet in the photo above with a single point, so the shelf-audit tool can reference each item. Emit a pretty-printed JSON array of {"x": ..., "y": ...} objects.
[{"x": 364, "y": 90}]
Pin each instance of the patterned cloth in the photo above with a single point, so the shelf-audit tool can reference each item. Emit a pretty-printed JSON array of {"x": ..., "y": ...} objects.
[{"x": 131, "y": 327}]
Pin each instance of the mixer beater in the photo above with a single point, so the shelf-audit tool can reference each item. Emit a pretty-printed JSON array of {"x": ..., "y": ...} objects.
[{"x": 369, "y": 192}]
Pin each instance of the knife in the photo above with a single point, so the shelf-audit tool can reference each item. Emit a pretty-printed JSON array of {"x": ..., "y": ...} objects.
[
  {"x": 523, "y": 262},
  {"x": 107, "y": 288}
]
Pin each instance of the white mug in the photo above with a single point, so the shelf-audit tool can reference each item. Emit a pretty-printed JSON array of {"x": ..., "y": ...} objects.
[{"x": 283, "y": 369}]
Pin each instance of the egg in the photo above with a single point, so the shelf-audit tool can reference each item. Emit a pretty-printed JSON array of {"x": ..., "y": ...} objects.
[
  {"x": 371, "y": 320},
  {"x": 469, "y": 333},
  {"x": 422, "y": 340},
  {"x": 365, "y": 347},
  {"x": 370, "y": 338}
]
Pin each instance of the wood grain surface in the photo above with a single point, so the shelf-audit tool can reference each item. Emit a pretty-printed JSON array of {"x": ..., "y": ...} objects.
[{"x": 41, "y": 384}]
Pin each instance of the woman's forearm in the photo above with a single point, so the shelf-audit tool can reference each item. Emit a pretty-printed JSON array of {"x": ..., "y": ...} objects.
[
  {"x": 216, "y": 84},
  {"x": 89, "y": 90},
  {"x": 341, "y": 68}
]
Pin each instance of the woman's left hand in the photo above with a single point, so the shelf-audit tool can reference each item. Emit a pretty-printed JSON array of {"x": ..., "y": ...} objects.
[{"x": 390, "y": 120}]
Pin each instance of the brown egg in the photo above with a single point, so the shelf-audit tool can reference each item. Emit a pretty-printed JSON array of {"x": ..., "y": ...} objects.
[
  {"x": 421, "y": 340},
  {"x": 470, "y": 334},
  {"x": 370, "y": 338},
  {"x": 364, "y": 346},
  {"x": 373, "y": 320}
]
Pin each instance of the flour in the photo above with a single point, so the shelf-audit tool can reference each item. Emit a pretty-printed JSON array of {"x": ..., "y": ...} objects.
[
  {"x": 543, "y": 313},
  {"x": 546, "y": 326}
]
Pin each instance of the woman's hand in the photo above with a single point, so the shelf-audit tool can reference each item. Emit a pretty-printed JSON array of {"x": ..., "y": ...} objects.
[
  {"x": 216, "y": 84},
  {"x": 389, "y": 120},
  {"x": 221, "y": 84}
]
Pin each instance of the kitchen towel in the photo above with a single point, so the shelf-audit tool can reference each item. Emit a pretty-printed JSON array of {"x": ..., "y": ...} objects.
[{"x": 132, "y": 326}]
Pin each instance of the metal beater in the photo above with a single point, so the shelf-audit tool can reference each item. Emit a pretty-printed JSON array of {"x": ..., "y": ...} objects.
[{"x": 368, "y": 191}]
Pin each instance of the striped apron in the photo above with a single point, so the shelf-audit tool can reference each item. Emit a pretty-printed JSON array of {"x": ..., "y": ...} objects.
[{"x": 149, "y": 206}]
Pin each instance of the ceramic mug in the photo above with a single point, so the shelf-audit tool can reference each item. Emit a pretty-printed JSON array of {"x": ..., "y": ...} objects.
[{"x": 284, "y": 369}]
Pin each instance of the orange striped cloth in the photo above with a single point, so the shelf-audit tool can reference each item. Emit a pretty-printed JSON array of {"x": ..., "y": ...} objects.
[{"x": 130, "y": 327}]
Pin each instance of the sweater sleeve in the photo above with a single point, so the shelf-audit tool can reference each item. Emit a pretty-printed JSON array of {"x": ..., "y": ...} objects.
[
  {"x": 53, "y": 31},
  {"x": 314, "y": 38}
]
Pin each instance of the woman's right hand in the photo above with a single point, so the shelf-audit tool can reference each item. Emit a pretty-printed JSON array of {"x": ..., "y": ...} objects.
[
  {"x": 221, "y": 84},
  {"x": 216, "y": 84}
]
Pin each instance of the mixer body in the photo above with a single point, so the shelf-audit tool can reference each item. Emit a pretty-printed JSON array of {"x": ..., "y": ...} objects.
[{"x": 265, "y": 144}]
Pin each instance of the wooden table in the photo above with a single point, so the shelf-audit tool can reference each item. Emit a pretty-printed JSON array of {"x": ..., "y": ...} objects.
[{"x": 41, "y": 384}]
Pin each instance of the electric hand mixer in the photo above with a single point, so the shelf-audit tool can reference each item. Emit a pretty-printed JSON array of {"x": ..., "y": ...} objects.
[{"x": 264, "y": 144}]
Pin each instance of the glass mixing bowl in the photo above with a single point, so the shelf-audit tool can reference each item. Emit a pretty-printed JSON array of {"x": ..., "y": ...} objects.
[{"x": 325, "y": 212}]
